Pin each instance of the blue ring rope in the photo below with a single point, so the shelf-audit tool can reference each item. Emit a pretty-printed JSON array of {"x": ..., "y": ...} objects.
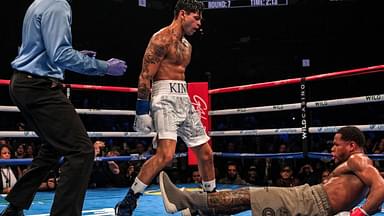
[{"x": 294, "y": 155}]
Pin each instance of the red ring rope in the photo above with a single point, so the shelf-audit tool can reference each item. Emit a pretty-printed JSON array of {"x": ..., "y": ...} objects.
[{"x": 358, "y": 71}]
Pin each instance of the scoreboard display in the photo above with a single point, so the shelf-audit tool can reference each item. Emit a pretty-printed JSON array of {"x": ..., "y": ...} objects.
[{"x": 216, "y": 4}]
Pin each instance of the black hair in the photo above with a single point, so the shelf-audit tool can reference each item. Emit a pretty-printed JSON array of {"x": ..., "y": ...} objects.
[
  {"x": 351, "y": 133},
  {"x": 189, "y": 6},
  {"x": 6, "y": 146},
  {"x": 232, "y": 163}
]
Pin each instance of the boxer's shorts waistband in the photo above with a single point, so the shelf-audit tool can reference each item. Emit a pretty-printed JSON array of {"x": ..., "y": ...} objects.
[{"x": 170, "y": 87}]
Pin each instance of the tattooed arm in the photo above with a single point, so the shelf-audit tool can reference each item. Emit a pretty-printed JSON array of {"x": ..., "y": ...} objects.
[{"x": 154, "y": 54}]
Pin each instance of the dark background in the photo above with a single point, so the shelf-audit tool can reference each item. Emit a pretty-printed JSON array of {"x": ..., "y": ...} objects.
[{"x": 237, "y": 46}]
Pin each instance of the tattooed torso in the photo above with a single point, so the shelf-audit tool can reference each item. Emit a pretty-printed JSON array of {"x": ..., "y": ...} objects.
[
  {"x": 176, "y": 59},
  {"x": 166, "y": 58}
]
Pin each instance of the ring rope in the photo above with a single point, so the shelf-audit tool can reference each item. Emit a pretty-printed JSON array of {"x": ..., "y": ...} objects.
[
  {"x": 26, "y": 134},
  {"x": 328, "y": 156},
  {"x": 132, "y": 157},
  {"x": 279, "y": 107},
  {"x": 291, "y": 155},
  {"x": 100, "y": 88},
  {"x": 344, "y": 73},
  {"x": 260, "y": 132},
  {"x": 4, "y": 82},
  {"x": 256, "y": 132},
  {"x": 135, "y": 157},
  {"x": 106, "y": 112},
  {"x": 269, "y": 108},
  {"x": 325, "y": 129},
  {"x": 333, "y": 129},
  {"x": 87, "y": 87},
  {"x": 80, "y": 111},
  {"x": 295, "y": 106}
]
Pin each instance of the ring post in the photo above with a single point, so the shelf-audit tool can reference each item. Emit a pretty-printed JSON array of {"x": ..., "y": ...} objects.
[
  {"x": 303, "y": 110},
  {"x": 198, "y": 94}
]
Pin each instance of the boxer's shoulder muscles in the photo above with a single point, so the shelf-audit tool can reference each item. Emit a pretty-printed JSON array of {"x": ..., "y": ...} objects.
[
  {"x": 155, "y": 52},
  {"x": 358, "y": 162},
  {"x": 157, "y": 48}
]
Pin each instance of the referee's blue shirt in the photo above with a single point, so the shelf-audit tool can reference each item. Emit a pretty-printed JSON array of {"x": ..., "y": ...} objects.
[{"x": 46, "y": 48}]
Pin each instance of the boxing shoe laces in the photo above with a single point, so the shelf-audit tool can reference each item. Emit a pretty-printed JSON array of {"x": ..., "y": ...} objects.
[{"x": 126, "y": 206}]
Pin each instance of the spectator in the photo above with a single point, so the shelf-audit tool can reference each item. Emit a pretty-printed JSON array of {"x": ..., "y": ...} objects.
[
  {"x": 20, "y": 151},
  {"x": 4, "y": 141},
  {"x": 30, "y": 150},
  {"x": 8, "y": 174},
  {"x": 20, "y": 154},
  {"x": 50, "y": 182},
  {"x": 232, "y": 176},
  {"x": 128, "y": 177},
  {"x": 105, "y": 173},
  {"x": 379, "y": 149},
  {"x": 276, "y": 164},
  {"x": 98, "y": 146},
  {"x": 113, "y": 166},
  {"x": 307, "y": 175},
  {"x": 325, "y": 175},
  {"x": 287, "y": 179},
  {"x": 126, "y": 149},
  {"x": 142, "y": 150},
  {"x": 252, "y": 177},
  {"x": 196, "y": 177}
]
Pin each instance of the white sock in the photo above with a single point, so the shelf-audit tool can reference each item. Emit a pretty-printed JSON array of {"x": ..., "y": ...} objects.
[
  {"x": 209, "y": 186},
  {"x": 138, "y": 186}
]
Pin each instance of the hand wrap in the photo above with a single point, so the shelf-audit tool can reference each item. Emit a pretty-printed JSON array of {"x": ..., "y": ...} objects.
[{"x": 143, "y": 121}]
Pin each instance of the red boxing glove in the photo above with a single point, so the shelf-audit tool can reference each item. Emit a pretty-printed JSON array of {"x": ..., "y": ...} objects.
[{"x": 358, "y": 212}]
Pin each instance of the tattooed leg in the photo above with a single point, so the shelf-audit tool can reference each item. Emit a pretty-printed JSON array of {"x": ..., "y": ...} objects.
[
  {"x": 230, "y": 202},
  {"x": 217, "y": 203}
]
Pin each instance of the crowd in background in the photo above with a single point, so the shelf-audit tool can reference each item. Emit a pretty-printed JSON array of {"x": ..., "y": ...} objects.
[
  {"x": 234, "y": 170},
  {"x": 272, "y": 50}
]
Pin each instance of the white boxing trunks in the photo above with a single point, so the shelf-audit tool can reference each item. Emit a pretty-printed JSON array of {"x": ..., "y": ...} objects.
[{"x": 174, "y": 115}]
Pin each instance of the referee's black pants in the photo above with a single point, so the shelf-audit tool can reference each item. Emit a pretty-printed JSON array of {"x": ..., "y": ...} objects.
[{"x": 52, "y": 116}]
